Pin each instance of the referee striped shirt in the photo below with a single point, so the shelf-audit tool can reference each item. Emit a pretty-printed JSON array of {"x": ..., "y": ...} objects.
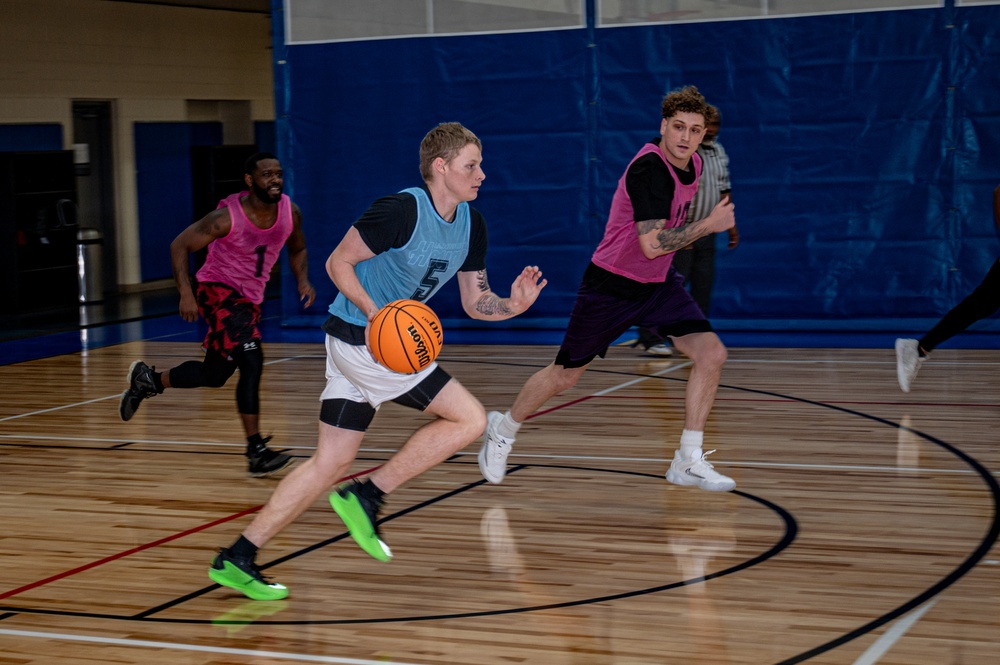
[{"x": 714, "y": 180}]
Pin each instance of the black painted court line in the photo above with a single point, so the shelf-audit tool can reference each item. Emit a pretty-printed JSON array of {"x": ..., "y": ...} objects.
[{"x": 791, "y": 529}]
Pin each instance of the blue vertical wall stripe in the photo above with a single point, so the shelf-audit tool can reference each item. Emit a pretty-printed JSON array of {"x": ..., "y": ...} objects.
[
  {"x": 291, "y": 310},
  {"x": 594, "y": 214},
  {"x": 952, "y": 144}
]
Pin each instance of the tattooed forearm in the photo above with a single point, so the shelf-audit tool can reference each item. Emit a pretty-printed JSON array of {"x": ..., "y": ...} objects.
[
  {"x": 482, "y": 282},
  {"x": 491, "y": 305},
  {"x": 669, "y": 240},
  {"x": 648, "y": 225}
]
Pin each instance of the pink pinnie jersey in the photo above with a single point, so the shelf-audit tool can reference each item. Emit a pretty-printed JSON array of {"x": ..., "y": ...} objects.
[
  {"x": 244, "y": 257},
  {"x": 619, "y": 251}
]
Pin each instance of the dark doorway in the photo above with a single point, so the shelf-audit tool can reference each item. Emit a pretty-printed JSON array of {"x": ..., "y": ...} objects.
[{"x": 93, "y": 161}]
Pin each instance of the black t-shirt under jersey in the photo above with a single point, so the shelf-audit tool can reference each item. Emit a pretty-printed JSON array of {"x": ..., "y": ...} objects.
[
  {"x": 651, "y": 191},
  {"x": 388, "y": 224}
]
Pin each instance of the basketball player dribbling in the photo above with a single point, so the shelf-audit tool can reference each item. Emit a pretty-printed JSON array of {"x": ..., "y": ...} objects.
[{"x": 374, "y": 264}]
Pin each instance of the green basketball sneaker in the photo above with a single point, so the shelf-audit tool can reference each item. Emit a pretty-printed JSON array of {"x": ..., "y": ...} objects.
[
  {"x": 244, "y": 576},
  {"x": 361, "y": 518}
]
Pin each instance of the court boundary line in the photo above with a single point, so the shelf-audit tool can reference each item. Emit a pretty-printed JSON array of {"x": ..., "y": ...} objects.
[
  {"x": 152, "y": 644},
  {"x": 145, "y": 546},
  {"x": 642, "y": 377},
  {"x": 885, "y": 618},
  {"x": 884, "y": 644},
  {"x": 529, "y": 456}
]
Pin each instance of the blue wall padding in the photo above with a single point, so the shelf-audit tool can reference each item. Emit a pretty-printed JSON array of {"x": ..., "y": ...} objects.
[
  {"x": 31, "y": 137},
  {"x": 265, "y": 136},
  {"x": 163, "y": 185},
  {"x": 864, "y": 151},
  {"x": 356, "y": 131}
]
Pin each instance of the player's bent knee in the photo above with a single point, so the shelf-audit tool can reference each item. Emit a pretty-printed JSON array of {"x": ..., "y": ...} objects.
[
  {"x": 249, "y": 358},
  {"x": 567, "y": 377},
  {"x": 721, "y": 354},
  {"x": 475, "y": 417},
  {"x": 345, "y": 414},
  {"x": 715, "y": 355}
]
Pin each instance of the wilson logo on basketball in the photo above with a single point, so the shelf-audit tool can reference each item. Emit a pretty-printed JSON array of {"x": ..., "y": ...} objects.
[{"x": 421, "y": 352}]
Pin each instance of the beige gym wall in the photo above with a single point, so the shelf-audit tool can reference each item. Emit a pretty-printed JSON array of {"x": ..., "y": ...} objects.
[{"x": 154, "y": 63}]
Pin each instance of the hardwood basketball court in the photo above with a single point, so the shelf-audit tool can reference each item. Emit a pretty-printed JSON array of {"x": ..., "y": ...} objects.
[{"x": 862, "y": 529}]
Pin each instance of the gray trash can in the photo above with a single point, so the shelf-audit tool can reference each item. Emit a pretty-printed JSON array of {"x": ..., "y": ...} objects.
[{"x": 89, "y": 247}]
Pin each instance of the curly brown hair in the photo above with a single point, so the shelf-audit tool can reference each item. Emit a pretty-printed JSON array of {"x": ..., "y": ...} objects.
[
  {"x": 444, "y": 141},
  {"x": 684, "y": 100}
]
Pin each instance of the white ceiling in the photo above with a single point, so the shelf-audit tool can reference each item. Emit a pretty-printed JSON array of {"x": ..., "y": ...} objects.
[{"x": 251, "y": 6}]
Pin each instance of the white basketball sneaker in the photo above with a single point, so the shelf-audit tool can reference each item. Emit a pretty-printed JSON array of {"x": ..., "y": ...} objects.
[
  {"x": 662, "y": 350},
  {"x": 493, "y": 454},
  {"x": 698, "y": 472},
  {"x": 908, "y": 362}
]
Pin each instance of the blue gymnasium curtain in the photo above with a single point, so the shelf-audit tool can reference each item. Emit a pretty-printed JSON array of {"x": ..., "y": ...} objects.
[{"x": 863, "y": 151}]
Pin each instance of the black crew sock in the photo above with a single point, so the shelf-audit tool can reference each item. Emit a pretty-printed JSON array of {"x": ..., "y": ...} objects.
[
  {"x": 371, "y": 491},
  {"x": 158, "y": 382},
  {"x": 243, "y": 549}
]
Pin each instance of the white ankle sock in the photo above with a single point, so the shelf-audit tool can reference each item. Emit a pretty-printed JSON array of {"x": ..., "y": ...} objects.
[
  {"x": 691, "y": 444},
  {"x": 507, "y": 428}
]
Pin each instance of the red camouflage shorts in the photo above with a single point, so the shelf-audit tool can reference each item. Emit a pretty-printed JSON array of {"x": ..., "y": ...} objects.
[{"x": 231, "y": 318}]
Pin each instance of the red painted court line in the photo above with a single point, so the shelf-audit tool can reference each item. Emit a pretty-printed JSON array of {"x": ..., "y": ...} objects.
[
  {"x": 121, "y": 555},
  {"x": 561, "y": 406},
  {"x": 787, "y": 399},
  {"x": 140, "y": 548}
]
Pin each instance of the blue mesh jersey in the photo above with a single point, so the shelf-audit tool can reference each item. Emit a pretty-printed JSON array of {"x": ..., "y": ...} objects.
[{"x": 416, "y": 251}]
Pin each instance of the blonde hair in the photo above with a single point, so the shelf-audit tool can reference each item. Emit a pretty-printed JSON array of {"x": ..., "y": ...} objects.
[{"x": 444, "y": 141}]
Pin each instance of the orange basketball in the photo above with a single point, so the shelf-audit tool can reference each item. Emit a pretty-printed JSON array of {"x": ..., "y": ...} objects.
[{"x": 405, "y": 336}]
